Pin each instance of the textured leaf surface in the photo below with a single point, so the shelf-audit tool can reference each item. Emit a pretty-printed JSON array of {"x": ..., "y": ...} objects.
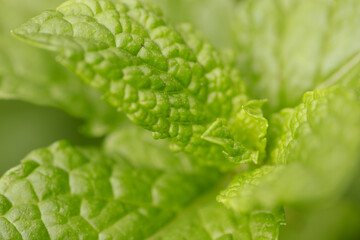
[
  {"x": 213, "y": 221},
  {"x": 63, "y": 192},
  {"x": 315, "y": 152},
  {"x": 171, "y": 82},
  {"x": 32, "y": 75},
  {"x": 244, "y": 137},
  {"x": 290, "y": 47}
]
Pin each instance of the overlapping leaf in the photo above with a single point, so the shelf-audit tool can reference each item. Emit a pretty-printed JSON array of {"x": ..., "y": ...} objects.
[
  {"x": 63, "y": 192},
  {"x": 33, "y": 75},
  {"x": 243, "y": 138},
  {"x": 289, "y": 47},
  {"x": 133, "y": 143},
  {"x": 171, "y": 82},
  {"x": 314, "y": 151}
]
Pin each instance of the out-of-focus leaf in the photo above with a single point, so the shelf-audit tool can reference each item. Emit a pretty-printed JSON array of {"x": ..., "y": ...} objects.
[
  {"x": 289, "y": 47},
  {"x": 133, "y": 143},
  {"x": 315, "y": 154},
  {"x": 64, "y": 192},
  {"x": 211, "y": 17},
  {"x": 33, "y": 75}
]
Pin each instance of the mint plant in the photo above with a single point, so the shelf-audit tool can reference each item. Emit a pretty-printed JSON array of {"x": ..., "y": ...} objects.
[{"x": 198, "y": 143}]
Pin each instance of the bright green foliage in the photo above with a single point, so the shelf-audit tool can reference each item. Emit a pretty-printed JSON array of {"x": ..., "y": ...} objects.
[
  {"x": 171, "y": 82},
  {"x": 212, "y": 20},
  {"x": 211, "y": 221},
  {"x": 321, "y": 158},
  {"x": 63, "y": 192},
  {"x": 220, "y": 133},
  {"x": 240, "y": 193},
  {"x": 317, "y": 117},
  {"x": 289, "y": 47},
  {"x": 243, "y": 138},
  {"x": 157, "y": 153},
  {"x": 32, "y": 75}
]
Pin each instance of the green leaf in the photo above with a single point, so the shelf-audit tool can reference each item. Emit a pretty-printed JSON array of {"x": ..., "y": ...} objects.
[
  {"x": 220, "y": 133},
  {"x": 171, "y": 82},
  {"x": 289, "y": 47},
  {"x": 243, "y": 138},
  {"x": 64, "y": 192},
  {"x": 32, "y": 75},
  {"x": 239, "y": 194},
  {"x": 138, "y": 146},
  {"x": 319, "y": 117},
  {"x": 213, "y": 221},
  {"x": 213, "y": 20},
  {"x": 314, "y": 151}
]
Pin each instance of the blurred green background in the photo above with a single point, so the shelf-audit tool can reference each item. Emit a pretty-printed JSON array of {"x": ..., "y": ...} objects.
[
  {"x": 34, "y": 92},
  {"x": 25, "y": 127}
]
